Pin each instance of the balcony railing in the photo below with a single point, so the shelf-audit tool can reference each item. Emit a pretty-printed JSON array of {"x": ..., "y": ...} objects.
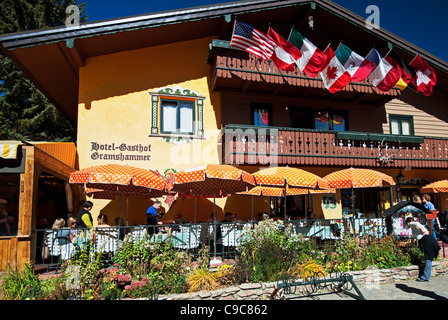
[{"x": 244, "y": 144}]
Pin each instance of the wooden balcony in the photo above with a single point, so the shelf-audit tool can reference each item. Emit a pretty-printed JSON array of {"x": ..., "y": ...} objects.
[
  {"x": 245, "y": 144},
  {"x": 239, "y": 71}
]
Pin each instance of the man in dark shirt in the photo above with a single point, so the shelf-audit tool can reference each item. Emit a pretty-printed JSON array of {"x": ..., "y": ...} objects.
[{"x": 84, "y": 218}]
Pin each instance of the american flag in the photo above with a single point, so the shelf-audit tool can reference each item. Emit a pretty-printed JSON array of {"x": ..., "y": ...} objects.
[{"x": 249, "y": 39}]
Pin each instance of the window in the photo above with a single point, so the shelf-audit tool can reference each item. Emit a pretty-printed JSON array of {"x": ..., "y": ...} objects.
[
  {"x": 401, "y": 125},
  {"x": 177, "y": 111},
  {"x": 261, "y": 114},
  {"x": 330, "y": 120},
  {"x": 177, "y": 116}
]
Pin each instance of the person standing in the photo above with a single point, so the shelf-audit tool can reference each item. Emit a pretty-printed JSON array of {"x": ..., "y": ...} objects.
[
  {"x": 84, "y": 218},
  {"x": 152, "y": 216},
  {"x": 427, "y": 244},
  {"x": 426, "y": 199}
]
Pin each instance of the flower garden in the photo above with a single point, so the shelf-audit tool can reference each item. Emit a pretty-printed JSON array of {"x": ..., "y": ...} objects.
[{"x": 143, "y": 269}]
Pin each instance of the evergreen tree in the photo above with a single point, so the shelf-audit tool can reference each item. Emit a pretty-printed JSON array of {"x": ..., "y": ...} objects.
[{"x": 25, "y": 113}]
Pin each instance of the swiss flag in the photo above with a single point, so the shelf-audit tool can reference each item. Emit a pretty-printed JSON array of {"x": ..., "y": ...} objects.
[{"x": 425, "y": 78}]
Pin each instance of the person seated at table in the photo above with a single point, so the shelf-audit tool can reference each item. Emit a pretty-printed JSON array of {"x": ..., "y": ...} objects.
[
  {"x": 263, "y": 216},
  {"x": 178, "y": 219},
  {"x": 71, "y": 224},
  {"x": 103, "y": 221},
  {"x": 235, "y": 218},
  {"x": 211, "y": 219},
  {"x": 228, "y": 217},
  {"x": 63, "y": 233}
]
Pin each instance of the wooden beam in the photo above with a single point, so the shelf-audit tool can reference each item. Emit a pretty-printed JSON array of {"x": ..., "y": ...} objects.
[
  {"x": 359, "y": 97},
  {"x": 52, "y": 165},
  {"x": 225, "y": 26},
  {"x": 277, "y": 89},
  {"x": 246, "y": 85}
]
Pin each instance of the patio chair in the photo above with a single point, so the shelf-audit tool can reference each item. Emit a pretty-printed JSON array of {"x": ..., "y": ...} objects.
[
  {"x": 106, "y": 243},
  {"x": 194, "y": 232},
  {"x": 106, "y": 240},
  {"x": 59, "y": 246},
  {"x": 230, "y": 236}
]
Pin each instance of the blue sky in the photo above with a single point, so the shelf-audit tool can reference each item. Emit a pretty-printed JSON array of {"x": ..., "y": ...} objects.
[{"x": 423, "y": 23}]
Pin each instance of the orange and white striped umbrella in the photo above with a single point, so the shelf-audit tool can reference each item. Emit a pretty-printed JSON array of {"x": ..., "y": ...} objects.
[
  {"x": 119, "y": 178},
  {"x": 289, "y": 177},
  {"x": 212, "y": 180},
  {"x": 280, "y": 192},
  {"x": 435, "y": 187},
  {"x": 358, "y": 178}
]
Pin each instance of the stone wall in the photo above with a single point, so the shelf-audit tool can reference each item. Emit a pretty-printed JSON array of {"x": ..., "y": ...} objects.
[{"x": 259, "y": 291}]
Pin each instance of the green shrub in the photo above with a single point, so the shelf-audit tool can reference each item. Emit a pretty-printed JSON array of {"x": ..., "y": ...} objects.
[
  {"x": 20, "y": 284},
  {"x": 267, "y": 251}
]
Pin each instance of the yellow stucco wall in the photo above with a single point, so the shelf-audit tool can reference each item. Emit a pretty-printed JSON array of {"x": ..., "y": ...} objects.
[{"x": 115, "y": 109}]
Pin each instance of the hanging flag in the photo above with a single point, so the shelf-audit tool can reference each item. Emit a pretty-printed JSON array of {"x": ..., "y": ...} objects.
[
  {"x": 261, "y": 117},
  {"x": 406, "y": 71},
  {"x": 425, "y": 78},
  {"x": 313, "y": 60},
  {"x": 374, "y": 57},
  {"x": 285, "y": 54},
  {"x": 334, "y": 76},
  {"x": 251, "y": 40},
  {"x": 358, "y": 67},
  {"x": 384, "y": 76}
]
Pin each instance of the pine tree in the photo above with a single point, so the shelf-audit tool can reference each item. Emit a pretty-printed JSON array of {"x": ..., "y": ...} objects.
[{"x": 25, "y": 113}]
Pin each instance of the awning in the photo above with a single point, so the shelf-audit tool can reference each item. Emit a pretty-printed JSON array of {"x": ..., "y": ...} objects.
[
  {"x": 62, "y": 151},
  {"x": 8, "y": 150}
]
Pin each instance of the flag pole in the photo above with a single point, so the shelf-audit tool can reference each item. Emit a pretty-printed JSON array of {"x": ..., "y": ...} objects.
[
  {"x": 338, "y": 46},
  {"x": 290, "y": 31},
  {"x": 414, "y": 58}
]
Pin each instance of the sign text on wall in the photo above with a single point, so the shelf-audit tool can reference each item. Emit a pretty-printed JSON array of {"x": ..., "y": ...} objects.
[{"x": 120, "y": 151}]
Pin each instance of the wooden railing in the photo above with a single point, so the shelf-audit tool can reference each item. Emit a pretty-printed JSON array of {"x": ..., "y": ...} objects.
[{"x": 244, "y": 144}]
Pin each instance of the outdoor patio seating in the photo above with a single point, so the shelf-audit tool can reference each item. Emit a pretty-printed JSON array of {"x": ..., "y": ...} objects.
[
  {"x": 230, "y": 236},
  {"x": 62, "y": 251},
  {"x": 106, "y": 240}
]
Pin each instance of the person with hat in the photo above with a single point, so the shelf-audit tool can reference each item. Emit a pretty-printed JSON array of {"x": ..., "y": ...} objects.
[
  {"x": 426, "y": 243},
  {"x": 4, "y": 225}
]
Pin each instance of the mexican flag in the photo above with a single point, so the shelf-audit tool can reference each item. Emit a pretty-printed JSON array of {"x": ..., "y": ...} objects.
[
  {"x": 313, "y": 60},
  {"x": 358, "y": 66},
  {"x": 334, "y": 76},
  {"x": 285, "y": 54}
]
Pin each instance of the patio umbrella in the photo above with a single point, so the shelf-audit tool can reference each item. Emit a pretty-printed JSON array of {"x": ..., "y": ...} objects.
[
  {"x": 435, "y": 187},
  {"x": 287, "y": 178},
  {"x": 212, "y": 181},
  {"x": 280, "y": 192},
  {"x": 111, "y": 180},
  {"x": 358, "y": 178}
]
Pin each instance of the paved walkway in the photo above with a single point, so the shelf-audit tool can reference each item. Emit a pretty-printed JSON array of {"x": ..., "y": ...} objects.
[{"x": 436, "y": 289}]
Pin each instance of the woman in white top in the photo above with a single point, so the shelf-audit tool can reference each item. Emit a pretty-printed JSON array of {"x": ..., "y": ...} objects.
[
  {"x": 427, "y": 244},
  {"x": 418, "y": 230}
]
